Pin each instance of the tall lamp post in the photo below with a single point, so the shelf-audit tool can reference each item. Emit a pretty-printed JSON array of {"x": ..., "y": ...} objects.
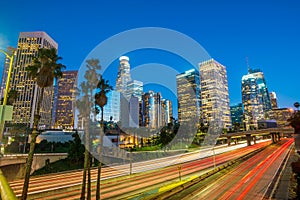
[
  {"x": 297, "y": 104},
  {"x": 2, "y": 114}
]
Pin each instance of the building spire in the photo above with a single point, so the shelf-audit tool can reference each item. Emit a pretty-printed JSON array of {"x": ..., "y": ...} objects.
[{"x": 247, "y": 63}]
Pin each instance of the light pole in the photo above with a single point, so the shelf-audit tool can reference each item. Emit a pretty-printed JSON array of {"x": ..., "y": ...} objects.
[
  {"x": 297, "y": 104},
  {"x": 11, "y": 58}
]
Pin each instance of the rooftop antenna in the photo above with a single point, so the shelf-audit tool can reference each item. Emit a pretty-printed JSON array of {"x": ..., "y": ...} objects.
[{"x": 247, "y": 63}]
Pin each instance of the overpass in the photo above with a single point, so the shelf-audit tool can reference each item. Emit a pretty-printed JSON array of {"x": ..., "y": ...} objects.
[
  {"x": 13, "y": 165},
  {"x": 275, "y": 133}
]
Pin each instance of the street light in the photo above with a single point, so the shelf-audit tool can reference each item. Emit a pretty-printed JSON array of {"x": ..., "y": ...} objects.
[
  {"x": 297, "y": 104},
  {"x": 2, "y": 114}
]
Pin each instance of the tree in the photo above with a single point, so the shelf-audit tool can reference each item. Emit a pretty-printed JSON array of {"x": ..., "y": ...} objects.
[
  {"x": 236, "y": 126},
  {"x": 294, "y": 121},
  {"x": 297, "y": 104},
  {"x": 101, "y": 100},
  {"x": 12, "y": 96},
  {"x": 44, "y": 69},
  {"x": 85, "y": 105},
  {"x": 76, "y": 150}
]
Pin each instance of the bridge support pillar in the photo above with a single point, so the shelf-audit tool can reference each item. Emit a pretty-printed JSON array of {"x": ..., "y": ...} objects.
[
  {"x": 228, "y": 140},
  {"x": 235, "y": 141},
  {"x": 254, "y": 139},
  {"x": 274, "y": 138},
  {"x": 248, "y": 138},
  {"x": 278, "y": 136}
]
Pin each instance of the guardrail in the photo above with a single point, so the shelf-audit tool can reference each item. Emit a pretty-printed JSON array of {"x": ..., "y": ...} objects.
[{"x": 5, "y": 190}]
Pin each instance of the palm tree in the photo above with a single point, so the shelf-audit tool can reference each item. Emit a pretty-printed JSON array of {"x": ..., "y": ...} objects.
[
  {"x": 12, "y": 96},
  {"x": 44, "y": 69},
  {"x": 296, "y": 104},
  {"x": 101, "y": 101},
  {"x": 84, "y": 106}
]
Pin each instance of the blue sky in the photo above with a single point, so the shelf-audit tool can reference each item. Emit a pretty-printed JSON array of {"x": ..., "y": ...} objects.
[{"x": 267, "y": 32}]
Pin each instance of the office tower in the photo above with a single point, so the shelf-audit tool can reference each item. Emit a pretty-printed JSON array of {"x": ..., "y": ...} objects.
[
  {"x": 255, "y": 98},
  {"x": 273, "y": 99},
  {"x": 252, "y": 101},
  {"x": 188, "y": 95},
  {"x": 151, "y": 109},
  {"x": 123, "y": 77},
  {"x": 135, "y": 88},
  {"x": 263, "y": 89},
  {"x": 167, "y": 112},
  {"x": 214, "y": 93},
  {"x": 236, "y": 112},
  {"x": 112, "y": 108},
  {"x": 134, "y": 112},
  {"x": 26, "y": 103},
  {"x": 9, "y": 50},
  {"x": 64, "y": 103},
  {"x": 131, "y": 93},
  {"x": 281, "y": 115}
]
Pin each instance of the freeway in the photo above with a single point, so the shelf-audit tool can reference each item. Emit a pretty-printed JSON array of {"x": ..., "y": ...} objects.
[
  {"x": 117, "y": 184},
  {"x": 249, "y": 180}
]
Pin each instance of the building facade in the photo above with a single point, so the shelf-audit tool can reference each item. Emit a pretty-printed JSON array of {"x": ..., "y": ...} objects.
[
  {"x": 9, "y": 50},
  {"x": 255, "y": 98},
  {"x": 273, "y": 99},
  {"x": 131, "y": 94},
  {"x": 237, "y": 113},
  {"x": 26, "y": 104},
  {"x": 123, "y": 77},
  {"x": 64, "y": 102},
  {"x": 263, "y": 89},
  {"x": 214, "y": 93},
  {"x": 134, "y": 112},
  {"x": 252, "y": 102},
  {"x": 135, "y": 88},
  {"x": 112, "y": 108},
  {"x": 281, "y": 115},
  {"x": 167, "y": 111},
  {"x": 188, "y": 95},
  {"x": 151, "y": 110}
]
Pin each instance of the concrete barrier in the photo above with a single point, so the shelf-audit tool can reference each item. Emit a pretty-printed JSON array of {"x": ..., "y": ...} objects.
[{"x": 5, "y": 190}]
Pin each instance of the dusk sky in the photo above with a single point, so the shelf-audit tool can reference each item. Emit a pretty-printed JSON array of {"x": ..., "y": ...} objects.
[{"x": 267, "y": 32}]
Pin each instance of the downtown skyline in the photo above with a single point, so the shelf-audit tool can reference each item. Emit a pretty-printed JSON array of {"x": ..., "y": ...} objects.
[{"x": 264, "y": 32}]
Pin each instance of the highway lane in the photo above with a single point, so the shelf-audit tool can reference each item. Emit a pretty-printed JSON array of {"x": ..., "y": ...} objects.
[
  {"x": 52, "y": 184},
  {"x": 248, "y": 180}
]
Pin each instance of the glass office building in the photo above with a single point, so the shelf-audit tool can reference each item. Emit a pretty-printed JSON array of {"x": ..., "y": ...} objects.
[
  {"x": 255, "y": 98},
  {"x": 214, "y": 93},
  {"x": 188, "y": 95},
  {"x": 26, "y": 104},
  {"x": 64, "y": 100}
]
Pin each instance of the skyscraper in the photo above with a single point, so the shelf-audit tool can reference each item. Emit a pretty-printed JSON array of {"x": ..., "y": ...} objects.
[
  {"x": 134, "y": 112},
  {"x": 131, "y": 93},
  {"x": 10, "y": 50},
  {"x": 236, "y": 112},
  {"x": 123, "y": 77},
  {"x": 26, "y": 103},
  {"x": 263, "y": 89},
  {"x": 214, "y": 93},
  {"x": 167, "y": 111},
  {"x": 188, "y": 95},
  {"x": 65, "y": 100},
  {"x": 255, "y": 98},
  {"x": 281, "y": 115},
  {"x": 135, "y": 88},
  {"x": 112, "y": 108},
  {"x": 151, "y": 109},
  {"x": 252, "y": 101},
  {"x": 273, "y": 99}
]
